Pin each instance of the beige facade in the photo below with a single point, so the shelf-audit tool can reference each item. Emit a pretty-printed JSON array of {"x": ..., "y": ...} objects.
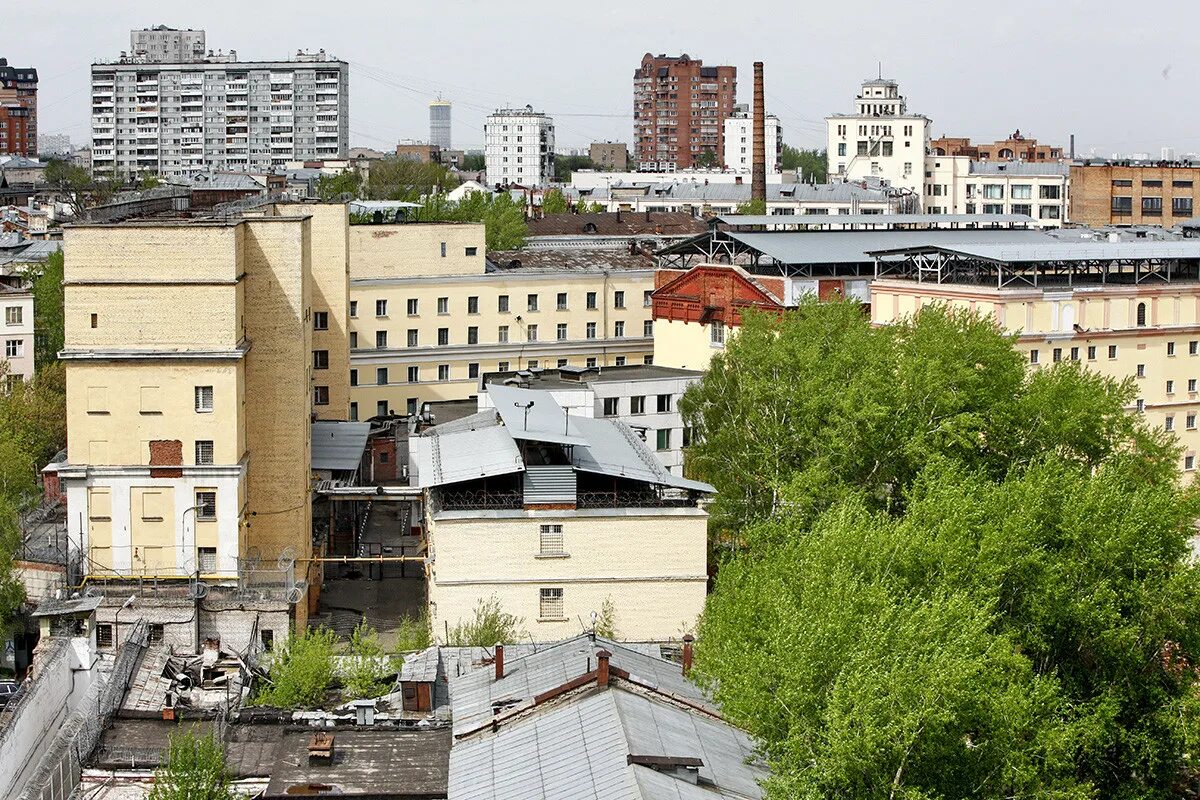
[
  {"x": 657, "y": 586},
  {"x": 688, "y": 345},
  {"x": 16, "y": 335},
  {"x": 1148, "y": 332},
  {"x": 189, "y": 388},
  {"x": 424, "y": 326}
]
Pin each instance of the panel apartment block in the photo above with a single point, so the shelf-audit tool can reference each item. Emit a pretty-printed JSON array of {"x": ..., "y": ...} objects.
[
  {"x": 218, "y": 114},
  {"x": 18, "y": 110},
  {"x": 678, "y": 108}
]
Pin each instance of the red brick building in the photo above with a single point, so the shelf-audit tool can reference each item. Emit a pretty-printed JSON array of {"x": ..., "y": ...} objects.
[
  {"x": 18, "y": 110},
  {"x": 679, "y": 110},
  {"x": 1015, "y": 148}
]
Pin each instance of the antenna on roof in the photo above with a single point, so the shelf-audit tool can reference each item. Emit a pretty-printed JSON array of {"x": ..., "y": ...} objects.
[
  {"x": 525, "y": 406},
  {"x": 880, "y": 70}
]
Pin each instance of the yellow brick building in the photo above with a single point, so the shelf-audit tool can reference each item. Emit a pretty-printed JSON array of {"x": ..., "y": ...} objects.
[
  {"x": 191, "y": 387},
  {"x": 428, "y": 315}
]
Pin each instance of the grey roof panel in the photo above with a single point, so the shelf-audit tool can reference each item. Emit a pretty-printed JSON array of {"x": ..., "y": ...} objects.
[
  {"x": 1056, "y": 250},
  {"x": 614, "y": 449},
  {"x": 847, "y": 247},
  {"x": 338, "y": 446},
  {"x": 533, "y": 415},
  {"x": 465, "y": 455},
  {"x": 976, "y": 220}
]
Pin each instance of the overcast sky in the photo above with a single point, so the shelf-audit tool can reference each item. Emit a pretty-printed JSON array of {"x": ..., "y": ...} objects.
[{"x": 1121, "y": 77}]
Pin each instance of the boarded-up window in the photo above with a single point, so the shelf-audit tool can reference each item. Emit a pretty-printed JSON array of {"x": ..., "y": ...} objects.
[
  {"x": 152, "y": 506},
  {"x": 98, "y": 451},
  {"x": 99, "y": 504},
  {"x": 97, "y": 399},
  {"x": 151, "y": 400}
]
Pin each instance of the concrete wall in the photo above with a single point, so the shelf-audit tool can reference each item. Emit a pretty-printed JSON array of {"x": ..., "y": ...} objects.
[
  {"x": 407, "y": 250},
  {"x": 330, "y": 294},
  {"x": 651, "y": 562}
]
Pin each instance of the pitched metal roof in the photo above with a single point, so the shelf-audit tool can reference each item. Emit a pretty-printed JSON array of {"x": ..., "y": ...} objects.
[
  {"x": 1054, "y": 250},
  {"x": 464, "y": 455},
  {"x": 534, "y": 416},
  {"x": 338, "y": 446},
  {"x": 844, "y": 247},
  {"x": 612, "y": 448}
]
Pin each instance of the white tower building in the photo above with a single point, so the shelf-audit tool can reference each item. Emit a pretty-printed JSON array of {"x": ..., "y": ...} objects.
[
  {"x": 519, "y": 147},
  {"x": 881, "y": 139}
]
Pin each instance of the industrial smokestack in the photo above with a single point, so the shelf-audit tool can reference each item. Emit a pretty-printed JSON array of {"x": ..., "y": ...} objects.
[
  {"x": 1072, "y": 147},
  {"x": 758, "y": 181}
]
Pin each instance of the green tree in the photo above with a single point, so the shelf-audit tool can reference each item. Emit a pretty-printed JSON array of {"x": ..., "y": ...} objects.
[
  {"x": 32, "y": 430},
  {"x": 473, "y": 162},
  {"x": 46, "y": 283},
  {"x": 413, "y": 633},
  {"x": 366, "y": 666},
  {"x": 813, "y": 164},
  {"x": 409, "y": 180},
  {"x": 489, "y": 624},
  {"x": 708, "y": 159},
  {"x": 553, "y": 202},
  {"x": 331, "y": 187},
  {"x": 757, "y": 207},
  {"x": 194, "y": 770},
  {"x": 565, "y": 165},
  {"x": 300, "y": 671},
  {"x": 502, "y": 216},
  {"x": 594, "y": 207},
  {"x": 805, "y": 408},
  {"x": 78, "y": 187},
  {"x": 606, "y": 619},
  {"x": 12, "y": 591}
]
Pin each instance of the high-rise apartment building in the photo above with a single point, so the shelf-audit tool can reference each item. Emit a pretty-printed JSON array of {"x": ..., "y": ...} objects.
[
  {"x": 439, "y": 124},
  {"x": 678, "y": 109},
  {"x": 163, "y": 45},
  {"x": 218, "y": 114},
  {"x": 18, "y": 110},
  {"x": 881, "y": 139},
  {"x": 739, "y": 142},
  {"x": 519, "y": 147}
]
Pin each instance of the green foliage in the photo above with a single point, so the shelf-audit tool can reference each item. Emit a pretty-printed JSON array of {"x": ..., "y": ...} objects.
[
  {"x": 148, "y": 180},
  {"x": 813, "y": 164},
  {"x": 78, "y": 187},
  {"x": 32, "y": 429},
  {"x": 502, "y": 216},
  {"x": 490, "y": 624},
  {"x": 1027, "y": 637},
  {"x": 595, "y": 207},
  {"x": 757, "y": 207},
  {"x": 12, "y": 591},
  {"x": 553, "y": 202},
  {"x": 565, "y": 165},
  {"x": 366, "y": 666},
  {"x": 46, "y": 283},
  {"x": 331, "y": 187},
  {"x": 816, "y": 405},
  {"x": 407, "y": 179},
  {"x": 473, "y": 162},
  {"x": 708, "y": 159},
  {"x": 300, "y": 671},
  {"x": 606, "y": 619},
  {"x": 413, "y": 633},
  {"x": 194, "y": 770}
]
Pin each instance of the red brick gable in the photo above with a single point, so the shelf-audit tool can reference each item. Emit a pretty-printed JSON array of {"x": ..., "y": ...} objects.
[{"x": 713, "y": 292}]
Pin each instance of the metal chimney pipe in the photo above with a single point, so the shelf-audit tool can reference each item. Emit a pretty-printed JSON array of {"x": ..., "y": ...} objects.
[
  {"x": 687, "y": 653},
  {"x": 499, "y": 661},
  {"x": 758, "y": 183},
  {"x": 602, "y": 658}
]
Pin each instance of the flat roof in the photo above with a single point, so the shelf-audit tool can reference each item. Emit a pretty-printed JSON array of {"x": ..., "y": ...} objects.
[
  {"x": 1054, "y": 250},
  {"x": 586, "y": 376},
  {"x": 891, "y": 220},
  {"x": 376, "y": 763},
  {"x": 834, "y": 247}
]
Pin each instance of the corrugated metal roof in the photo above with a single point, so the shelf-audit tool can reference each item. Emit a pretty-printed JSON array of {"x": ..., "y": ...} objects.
[
  {"x": 847, "y": 247},
  {"x": 614, "y": 449},
  {"x": 534, "y": 416},
  {"x": 465, "y": 455},
  {"x": 581, "y": 748},
  {"x": 1055, "y": 250},
  {"x": 962, "y": 220},
  {"x": 338, "y": 446}
]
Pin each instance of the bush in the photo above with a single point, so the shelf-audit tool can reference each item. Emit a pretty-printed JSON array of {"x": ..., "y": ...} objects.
[
  {"x": 194, "y": 770},
  {"x": 366, "y": 667},
  {"x": 490, "y": 625},
  {"x": 606, "y": 620},
  {"x": 413, "y": 634},
  {"x": 299, "y": 671}
]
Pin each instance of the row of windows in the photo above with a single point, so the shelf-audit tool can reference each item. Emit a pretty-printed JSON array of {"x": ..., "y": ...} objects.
[
  {"x": 1152, "y": 184},
  {"x": 532, "y": 303},
  {"x": 413, "y": 337},
  {"x": 1153, "y": 206},
  {"x": 637, "y": 404},
  {"x": 413, "y": 373}
]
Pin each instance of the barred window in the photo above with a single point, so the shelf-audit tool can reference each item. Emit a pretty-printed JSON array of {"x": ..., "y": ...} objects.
[
  {"x": 551, "y": 540},
  {"x": 551, "y": 606}
]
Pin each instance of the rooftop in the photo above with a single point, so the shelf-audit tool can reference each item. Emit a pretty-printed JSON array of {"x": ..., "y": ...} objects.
[
  {"x": 688, "y": 191},
  {"x": 375, "y": 763},
  {"x": 827, "y": 247},
  {"x": 617, "y": 224},
  {"x": 338, "y": 446},
  {"x": 1057, "y": 168},
  {"x": 582, "y": 259},
  {"x": 582, "y": 377},
  {"x": 878, "y": 221}
]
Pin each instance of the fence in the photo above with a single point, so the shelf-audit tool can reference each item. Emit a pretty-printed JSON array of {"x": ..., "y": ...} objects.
[{"x": 60, "y": 768}]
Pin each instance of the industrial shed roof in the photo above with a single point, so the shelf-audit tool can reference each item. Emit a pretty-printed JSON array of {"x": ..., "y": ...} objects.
[
  {"x": 834, "y": 247},
  {"x": 338, "y": 446},
  {"x": 1054, "y": 250},
  {"x": 890, "y": 220}
]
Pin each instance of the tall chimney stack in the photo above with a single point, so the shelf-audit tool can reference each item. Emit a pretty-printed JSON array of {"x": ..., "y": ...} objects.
[
  {"x": 687, "y": 653},
  {"x": 499, "y": 661},
  {"x": 758, "y": 182}
]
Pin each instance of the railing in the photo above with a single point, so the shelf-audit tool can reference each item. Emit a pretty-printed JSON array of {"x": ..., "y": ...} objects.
[
  {"x": 61, "y": 766},
  {"x": 472, "y": 501},
  {"x": 466, "y": 501},
  {"x": 629, "y": 500}
]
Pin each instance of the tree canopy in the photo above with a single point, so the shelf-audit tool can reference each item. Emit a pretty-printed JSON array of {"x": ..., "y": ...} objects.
[
  {"x": 46, "y": 283},
  {"x": 79, "y": 188},
  {"x": 406, "y": 179},
  {"x": 502, "y": 216},
  {"x": 950, "y": 577},
  {"x": 554, "y": 202},
  {"x": 330, "y": 187},
  {"x": 473, "y": 162},
  {"x": 194, "y": 770},
  {"x": 813, "y": 165},
  {"x": 565, "y": 165}
]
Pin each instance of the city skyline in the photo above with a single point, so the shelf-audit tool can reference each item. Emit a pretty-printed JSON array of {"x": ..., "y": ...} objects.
[{"x": 1057, "y": 77}]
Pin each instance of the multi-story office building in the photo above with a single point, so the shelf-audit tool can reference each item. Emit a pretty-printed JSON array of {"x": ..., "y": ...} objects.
[
  {"x": 439, "y": 124},
  {"x": 739, "y": 142},
  {"x": 429, "y": 314},
  {"x": 678, "y": 108},
  {"x": 960, "y": 185},
  {"x": 519, "y": 147},
  {"x": 218, "y": 114},
  {"x": 16, "y": 334},
  {"x": 556, "y": 515},
  {"x": 163, "y": 45},
  {"x": 1124, "y": 309},
  {"x": 881, "y": 139},
  {"x": 18, "y": 110},
  {"x": 190, "y": 441},
  {"x": 1134, "y": 192}
]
